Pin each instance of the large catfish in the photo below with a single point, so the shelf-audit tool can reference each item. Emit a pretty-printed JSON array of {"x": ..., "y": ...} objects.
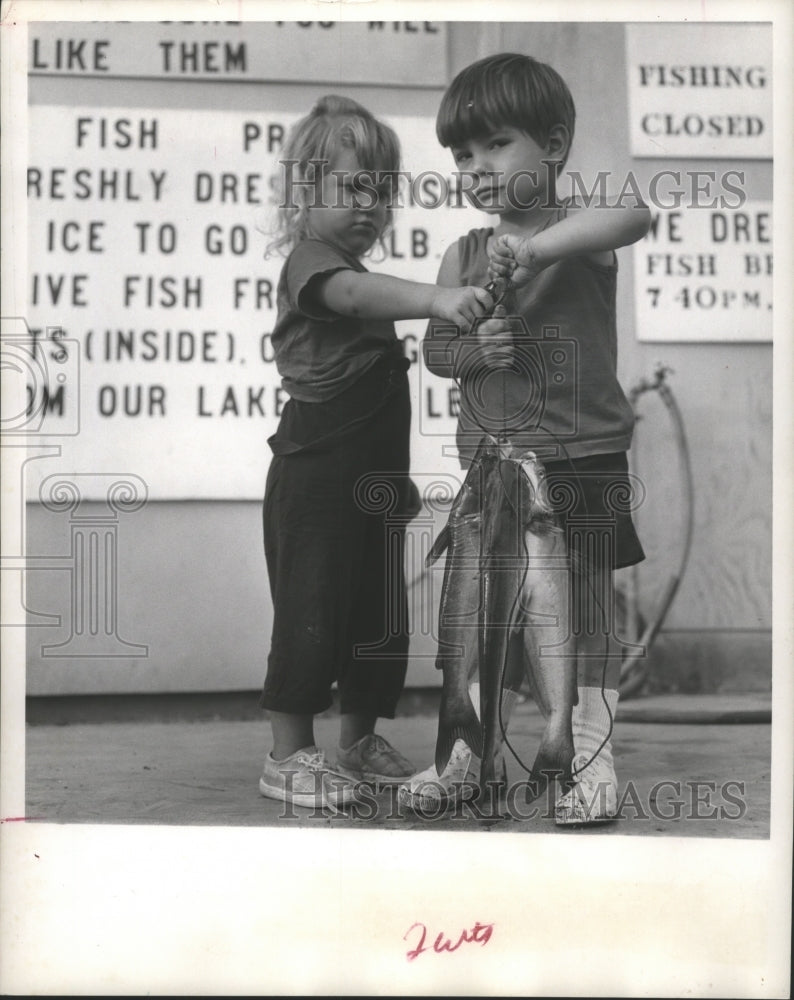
[{"x": 506, "y": 569}]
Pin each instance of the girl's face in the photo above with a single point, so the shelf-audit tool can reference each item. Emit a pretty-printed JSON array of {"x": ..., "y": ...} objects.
[
  {"x": 505, "y": 172},
  {"x": 354, "y": 206}
]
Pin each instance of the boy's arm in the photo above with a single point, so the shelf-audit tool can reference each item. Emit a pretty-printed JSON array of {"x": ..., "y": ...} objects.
[
  {"x": 593, "y": 232},
  {"x": 381, "y": 296}
]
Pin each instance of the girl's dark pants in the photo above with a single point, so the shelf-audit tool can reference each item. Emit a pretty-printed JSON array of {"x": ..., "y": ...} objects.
[{"x": 334, "y": 541}]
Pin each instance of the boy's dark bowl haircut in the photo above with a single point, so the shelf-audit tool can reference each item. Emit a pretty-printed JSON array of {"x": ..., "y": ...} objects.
[{"x": 505, "y": 90}]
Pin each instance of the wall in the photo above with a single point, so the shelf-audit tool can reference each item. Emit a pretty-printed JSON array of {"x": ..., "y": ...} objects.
[{"x": 191, "y": 574}]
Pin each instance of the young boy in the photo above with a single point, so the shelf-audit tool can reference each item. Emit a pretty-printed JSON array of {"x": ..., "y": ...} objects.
[{"x": 509, "y": 122}]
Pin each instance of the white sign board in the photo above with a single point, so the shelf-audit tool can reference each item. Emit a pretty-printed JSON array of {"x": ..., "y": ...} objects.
[
  {"x": 705, "y": 274},
  {"x": 700, "y": 90},
  {"x": 146, "y": 251}
]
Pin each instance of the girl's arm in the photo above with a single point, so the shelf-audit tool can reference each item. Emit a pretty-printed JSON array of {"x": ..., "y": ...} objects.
[
  {"x": 439, "y": 347},
  {"x": 446, "y": 350},
  {"x": 594, "y": 232},
  {"x": 381, "y": 296}
]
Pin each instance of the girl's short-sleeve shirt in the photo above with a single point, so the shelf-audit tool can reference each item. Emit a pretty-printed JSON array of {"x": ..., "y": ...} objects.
[{"x": 319, "y": 353}]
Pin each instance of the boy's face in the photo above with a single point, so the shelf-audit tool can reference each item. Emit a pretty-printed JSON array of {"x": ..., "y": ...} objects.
[{"x": 503, "y": 172}]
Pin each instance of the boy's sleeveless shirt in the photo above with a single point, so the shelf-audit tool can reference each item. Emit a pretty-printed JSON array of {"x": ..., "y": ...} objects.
[
  {"x": 318, "y": 353},
  {"x": 570, "y": 344}
]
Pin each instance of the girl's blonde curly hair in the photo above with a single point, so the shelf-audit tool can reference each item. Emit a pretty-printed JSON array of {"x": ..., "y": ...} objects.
[{"x": 333, "y": 123}]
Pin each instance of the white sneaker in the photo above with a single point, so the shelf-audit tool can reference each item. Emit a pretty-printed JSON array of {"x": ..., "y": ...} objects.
[
  {"x": 305, "y": 779},
  {"x": 594, "y": 795},
  {"x": 374, "y": 759},
  {"x": 429, "y": 791}
]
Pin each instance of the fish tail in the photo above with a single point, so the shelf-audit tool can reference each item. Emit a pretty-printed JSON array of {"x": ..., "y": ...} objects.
[
  {"x": 439, "y": 545},
  {"x": 553, "y": 762},
  {"x": 467, "y": 729}
]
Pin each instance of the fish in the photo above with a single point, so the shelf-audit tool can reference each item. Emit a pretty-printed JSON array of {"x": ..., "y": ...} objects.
[{"x": 506, "y": 570}]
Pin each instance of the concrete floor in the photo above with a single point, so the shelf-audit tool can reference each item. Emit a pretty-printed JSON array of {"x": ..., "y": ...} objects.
[{"x": 680, "y": 774}]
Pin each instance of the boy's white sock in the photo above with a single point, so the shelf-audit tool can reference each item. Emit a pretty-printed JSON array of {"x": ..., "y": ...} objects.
[
  {"x": 593, "y": 799},
  {"x": 593, "y": 718}
]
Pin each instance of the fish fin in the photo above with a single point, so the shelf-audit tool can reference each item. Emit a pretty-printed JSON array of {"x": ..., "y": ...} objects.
[
  {"x": 439, "y": 545},
  {"x": 467, "y": 729},
  {"x": 553, "y": 763}
]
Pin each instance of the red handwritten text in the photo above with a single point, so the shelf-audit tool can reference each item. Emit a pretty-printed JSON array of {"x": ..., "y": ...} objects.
[{"x": 479, "y": 934}]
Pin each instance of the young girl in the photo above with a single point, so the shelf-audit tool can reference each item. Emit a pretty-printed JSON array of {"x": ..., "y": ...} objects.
[{"x": 335, "y": 565}]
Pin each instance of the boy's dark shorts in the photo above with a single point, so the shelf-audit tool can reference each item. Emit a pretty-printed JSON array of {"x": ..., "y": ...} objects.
[{"x": 594, "y": 497}]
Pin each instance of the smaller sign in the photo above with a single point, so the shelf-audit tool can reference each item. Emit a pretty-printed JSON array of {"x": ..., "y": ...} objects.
[
  {"x": 700, "y": 90},
  {"x": 705, "y": 274}
]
